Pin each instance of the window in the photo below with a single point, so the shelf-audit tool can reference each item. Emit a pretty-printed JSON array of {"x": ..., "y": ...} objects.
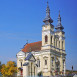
[
  {"x": 51, "y": 39},
  {"x": 52, "y": 61},
  {"x": 59, "y": 44},
  {"x": 38, "y": 63},
  {"x": 45, "y": 62},
  {"x": 21, "y": 64},
  {"x": 63, "y": 63},
  {"x": 56, "y": 43},
  {"x": 46, "y": 38},
  {"x": 62, "y": 44}
]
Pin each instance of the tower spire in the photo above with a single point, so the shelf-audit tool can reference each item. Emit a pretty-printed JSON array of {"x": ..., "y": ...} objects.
[
  {"x": 59, "y": 26},
  {"x": 47, "y": 19}
]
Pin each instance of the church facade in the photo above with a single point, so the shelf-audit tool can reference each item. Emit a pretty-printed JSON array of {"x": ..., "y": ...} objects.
[{"x": 46, "y": 57}]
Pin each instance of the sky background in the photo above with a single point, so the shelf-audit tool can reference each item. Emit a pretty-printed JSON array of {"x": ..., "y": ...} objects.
[{"x": 22, "y": 20}]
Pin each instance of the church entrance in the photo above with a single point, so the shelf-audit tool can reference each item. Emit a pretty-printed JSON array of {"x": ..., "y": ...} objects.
[{"x": 21, "y": 72}]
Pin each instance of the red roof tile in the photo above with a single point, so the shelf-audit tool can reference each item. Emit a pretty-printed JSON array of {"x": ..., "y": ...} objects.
[{"x": 32, "y": 46}]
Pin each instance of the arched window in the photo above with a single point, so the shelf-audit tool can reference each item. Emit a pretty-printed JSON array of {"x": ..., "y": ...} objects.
[
  {"x": 45, "y": 62},
  {"x": 46, "y": 38}
]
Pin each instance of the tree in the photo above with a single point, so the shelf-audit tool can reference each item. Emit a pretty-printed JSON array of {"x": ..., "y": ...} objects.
[
  {"x": 9, "y": 69},
  {"x": 0, "y": 62},
  {"x": 0, "y": 66}
]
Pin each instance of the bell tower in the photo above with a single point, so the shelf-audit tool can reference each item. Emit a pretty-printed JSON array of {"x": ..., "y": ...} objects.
[
  {"x": 61, "y": 44},
  {"x": 47, "y": 30},
  {"x": 59, "y": 31}
]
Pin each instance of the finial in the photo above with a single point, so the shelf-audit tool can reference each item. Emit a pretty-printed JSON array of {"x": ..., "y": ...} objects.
[
  {"x": 59, "y": 26},
  {"x": 59, "y": 13},
  {"x": 47, "y": 19},
  {"x": 47, "y": 2},
  {"x": 59, "y": 17},
  {"x": 47, "y": 5}
]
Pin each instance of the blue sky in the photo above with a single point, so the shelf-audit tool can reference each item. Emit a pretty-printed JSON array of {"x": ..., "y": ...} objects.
[{"x": 22, "y": 20}]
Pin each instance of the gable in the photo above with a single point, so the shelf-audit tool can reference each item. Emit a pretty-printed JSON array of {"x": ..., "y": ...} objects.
[
  {"x": 20, "y": 54},
  {"x": 30, "y": 57}
]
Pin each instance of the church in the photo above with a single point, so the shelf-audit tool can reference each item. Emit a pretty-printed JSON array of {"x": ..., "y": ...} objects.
[{"x": 46, "y": 57}]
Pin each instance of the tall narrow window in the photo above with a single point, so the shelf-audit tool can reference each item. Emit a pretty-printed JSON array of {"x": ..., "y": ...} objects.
[
  {"x": 62, "y": 44},
  {"x": 46, "y": 38},
  {"x": 56, "y": 43},
  {"x": 45, "y": 62},
  {"x": 21, "y": 64},
  {"x": 51, "y": 39},
  {"x": 63, "y": 64},
  {"x": 59, "y": 44},
  {"x": 38, "y": 63},
  {"x": 52, "y": 61}
]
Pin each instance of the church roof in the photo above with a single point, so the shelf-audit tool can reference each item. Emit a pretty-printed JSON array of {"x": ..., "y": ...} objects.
[{"x": 36, "y": 46}]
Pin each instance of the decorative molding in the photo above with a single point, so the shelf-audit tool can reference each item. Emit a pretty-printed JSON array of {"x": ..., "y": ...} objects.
[
  {"x": 20, "y": 54},
  {"x": 61, "y": 38},
  {"x": 53, "y": 47},
  {"x": 46, "y": 32}
]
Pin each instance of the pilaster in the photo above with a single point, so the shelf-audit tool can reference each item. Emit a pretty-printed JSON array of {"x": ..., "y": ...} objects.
[
  {"x": 61, "y": 65},
  {"x": 25, "y": 71},
  {"x": 64, "y": 68}
]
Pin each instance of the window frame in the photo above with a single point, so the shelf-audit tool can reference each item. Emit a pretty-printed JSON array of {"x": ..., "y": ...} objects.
[
  {"x": 38, "y": 63},
  {"x": 45, "y": 61},
  {"x": 46, "y": 38},
  {"x": 51, "y": 39},
  {"x": 62, "y": 45},
  {"x": 21, "y": 63}
]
